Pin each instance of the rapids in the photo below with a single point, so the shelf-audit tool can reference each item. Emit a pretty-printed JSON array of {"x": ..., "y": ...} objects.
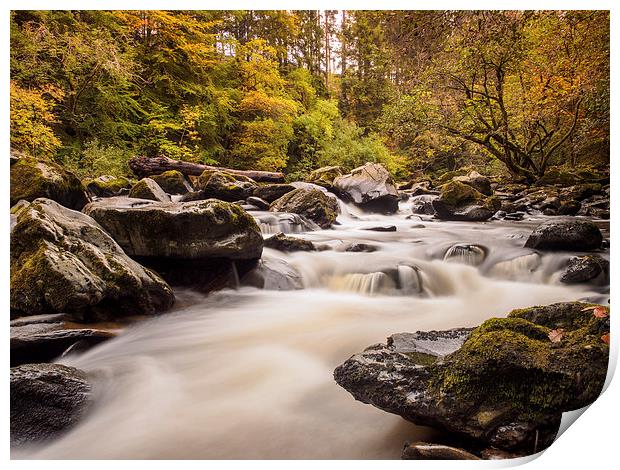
[{"x": 247, "y": 373}]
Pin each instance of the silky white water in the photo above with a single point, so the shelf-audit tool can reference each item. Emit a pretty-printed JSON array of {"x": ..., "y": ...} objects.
[{"x": 247, "y": 373}]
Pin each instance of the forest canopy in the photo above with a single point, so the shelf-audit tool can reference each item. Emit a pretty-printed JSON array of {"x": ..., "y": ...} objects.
[{"x": 422, "y": 92}]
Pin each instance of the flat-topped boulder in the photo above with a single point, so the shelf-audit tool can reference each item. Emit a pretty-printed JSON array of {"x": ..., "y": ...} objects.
[
  {"x": 505, "y": 384},
  {"x": 370, "y": 187},
  {"x": 185, "y": 230},
  {"x": 566, "y": 235},
  {"x": 32, "y": 179},
  {"x": 309, "y": 203},
  {"x": 64, "y": 261},
  {"x": 147, "y": 188}
]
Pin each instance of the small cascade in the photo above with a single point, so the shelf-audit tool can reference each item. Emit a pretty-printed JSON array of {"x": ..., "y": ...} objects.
[
  {"x": 409, "y": 280},
  {"x": 472, "y": 255},
  {"x": 272, "y": 223},
  {"x": 370, "y": 283},
  {"x": 519, "y": 268}
]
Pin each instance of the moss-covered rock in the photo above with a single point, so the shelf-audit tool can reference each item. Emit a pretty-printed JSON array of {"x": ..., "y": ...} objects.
[
  {"x": 460, "y": 201},
  {"x": 108, "y": 185},
  {"x": 63, "y": 261},
  {"x": 370, "y": 187},
  {"x": 173, "y": 182},
  {"x": 147, "y": 188},
  {"x": 225, "y": 186},
  {"x": 505, "y": 384},
  {"x": 31, "y": 179},
  {"x": 559, "y": 177},
  {"x": 282, "y": 242},
  {"x": 183, "y": 231},
  {"x": 309, "y": 203},
  {"x": 480, "y": 183},
  {"x": 325, "y": 176}
]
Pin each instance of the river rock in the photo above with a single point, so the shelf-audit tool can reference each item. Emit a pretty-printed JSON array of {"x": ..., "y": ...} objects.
[
  {"x": 480, "y": 183},
  {"x": 283, "y": 242},
  {"x": 189, "y": 230},
  {"x": 258, "y": 203},
  {"x": 147, "y": 188},
  {"x": 505, "y": 384},
  {"x": 46, "y": 399},
  {"x": 325, "y": 176},
  {"x": 370, "y": 187},
  {"x": 572, "y": 235},
  {"x": 225, "y": 186},
  {"x": 596, "y": 206},
  {"x": 32, "y": 179},
  {"x": 460, "y": 201},
  {"x": 107, "y": 185},
  {"x": 273, "y": 274},
  {"x": 428, "y": 451},
  {"x": 271, "y": 192},
  {"x": 423, "y": 204},
  {"x": 309, "y": 203},
  {"x": 64, "y": 261},
  {"x": 589, "y": 268},
  {"x": 173, "y": 182}
]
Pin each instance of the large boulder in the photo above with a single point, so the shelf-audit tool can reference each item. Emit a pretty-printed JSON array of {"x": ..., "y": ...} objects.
[
  {"x": 460, "y": 201},
  {"x": 64, "y": 261},
  {"x": 147, "y": 188},
  {"x": 272, "y": 191},
  {"x": 46, "y": 400},
  {"x": 570, "y": 235},
  {"x": 173, "y": 182},
  {"x": 32, "y": 179},
  {"x": 225, "y": 186},
  {"x": 182, "y": 231},
  {"x": 370, "y": 187},
  {"x": 108, "y": 185},
  {"x": 504, "y": 384},
  {"x": 325, "y": 176},
  {"x": 589, "y": 268},
  {"x": 310, "y": 203},
  {"x": 480, "y": 183}
]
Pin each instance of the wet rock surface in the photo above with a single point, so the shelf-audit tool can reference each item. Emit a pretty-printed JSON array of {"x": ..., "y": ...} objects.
[
  {"x": 460, "y": 201},
  {"x": 589, "y": 268},
  {"x": 147, "y": 188},
  {"x": 46, "y": 400},
  {"x": 370, "y": 187},
  {"x": 429, "y": 451},
  {"x": 284, "y": 242},
  {"x": 565, "y": 235},
  {"x": 310, "y": 203}
]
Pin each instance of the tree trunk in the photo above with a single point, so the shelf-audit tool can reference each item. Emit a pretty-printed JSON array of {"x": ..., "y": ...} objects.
[{"x": 146, "y": 166}]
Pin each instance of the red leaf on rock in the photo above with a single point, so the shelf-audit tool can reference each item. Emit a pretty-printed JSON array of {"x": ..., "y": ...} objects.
[
  {"x": 556, "y": 335},
  {"x": 605, "y": 338},
  {"x": 600, "y": 312}
]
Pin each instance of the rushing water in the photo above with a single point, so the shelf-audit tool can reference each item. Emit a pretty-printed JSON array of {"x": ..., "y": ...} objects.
[{"x": 247, "y": 373}]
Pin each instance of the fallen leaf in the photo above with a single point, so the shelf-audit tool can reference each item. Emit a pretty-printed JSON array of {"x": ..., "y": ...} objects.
[
  {"x": 605, "y": 338},
  {"x": 600, "y": 312},
  {"x": 589, "y": 308},
  {"x": 556, "y": 335}
]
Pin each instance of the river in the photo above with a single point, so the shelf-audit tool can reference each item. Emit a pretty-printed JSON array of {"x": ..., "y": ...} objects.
[{"x": 247, "y": 373}]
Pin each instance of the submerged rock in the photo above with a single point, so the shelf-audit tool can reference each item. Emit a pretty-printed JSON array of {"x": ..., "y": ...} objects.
[
  {"x": 147, "y": 188},
  {"x": 173, "y": 182},
  {"x": 460, "y": 201},
  {"x": 505, "y": 384},
  {"x": 189, "y": 230},
  {"x": 108, "y": 185},
  {"x": 283, "y": 242},
  {"x": 46, "y": 399},
  {"x": 64, "y": 261},
  {"x": 32, "y": 179},
  {"x": 466, "y": 254},
  {"x": 273, "y": 274},
  {"x": 370, "y": 187},
  {"x": 588, "y": 268},
  {"x": 566, "y": 235},
  {"x": 310, "y": 203}
]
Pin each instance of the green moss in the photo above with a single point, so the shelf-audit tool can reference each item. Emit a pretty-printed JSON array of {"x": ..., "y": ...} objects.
[
  {"x": 455, "y": 193},
  {"x": 421, "y": 358},
  {"x": 105, "y": 186}
]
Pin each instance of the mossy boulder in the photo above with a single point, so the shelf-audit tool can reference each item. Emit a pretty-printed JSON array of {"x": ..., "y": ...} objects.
[
  {"x": 558, "y": 177},
  {"x": 173, "y": 182},
  {"x": 270, "y": 192},
  {"x": 46, "y": 400},
  {"x": 182, "y": 231},
  {"x": 568, "y": 235},
  {"x": 460, "y": 201},
  {"x": 325, "y": 176},
  {"x": 147, "y": 188},
  {"x": 504, "y": 384},
  {"x": 309, "y": 203},
  {"x": 32, "y": 179},
  {"x": 370, "y": 187},
  {"x": 225, "y": 186},
  {"x": 282, "y": 242},
  {"x": 108, "y": 185},
  {"x": 64, "y": 261},
  {"x": 480, "y": 183}
]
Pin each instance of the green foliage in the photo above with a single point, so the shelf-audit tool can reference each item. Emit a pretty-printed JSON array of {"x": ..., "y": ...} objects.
[{"x": 98, "y": 159}]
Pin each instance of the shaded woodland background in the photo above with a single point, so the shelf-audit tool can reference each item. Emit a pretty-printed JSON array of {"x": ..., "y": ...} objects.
[{"x": 423, "y": 92}]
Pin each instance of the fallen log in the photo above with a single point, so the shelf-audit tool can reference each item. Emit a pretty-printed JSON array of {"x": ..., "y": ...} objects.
[{"x": 147, "y": 166}]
